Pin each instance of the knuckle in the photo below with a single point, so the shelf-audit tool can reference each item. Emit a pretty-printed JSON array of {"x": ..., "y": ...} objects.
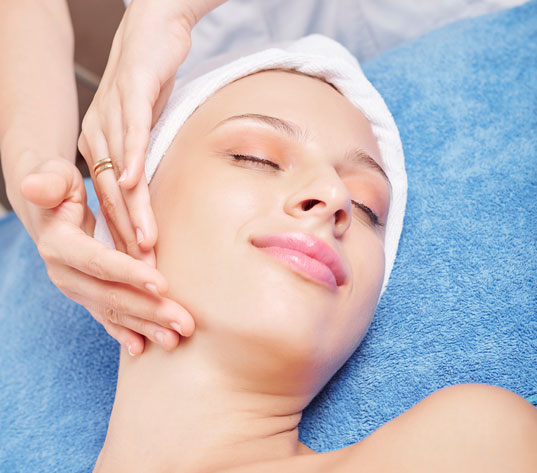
[
  {"x": 113, "y": 300},
  {"x": 95, "y": 267},
  {"x": 108, "y": 204},
  {"x": 111, "y": 315},
  {"x": 45, "y": 251},
  {"x": 133, "y": 130},
  {"x": 88, "y": 122},
  {"x": 123, "y": 82},
  {"x": 81, "y": 143},
  {"x": 84, "y": 149}
]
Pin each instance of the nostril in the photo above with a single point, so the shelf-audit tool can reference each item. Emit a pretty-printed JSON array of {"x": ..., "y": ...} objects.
[
  {"x": 340, "y": 215},
  {"x": 309, "y": 204}
]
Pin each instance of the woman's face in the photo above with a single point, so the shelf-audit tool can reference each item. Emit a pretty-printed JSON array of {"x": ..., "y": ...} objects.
[{"x": 216, "y": 204}]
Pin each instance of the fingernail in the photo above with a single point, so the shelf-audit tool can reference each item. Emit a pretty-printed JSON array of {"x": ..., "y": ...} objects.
[
  {"x": 152, "y": 288},
  {"x": 129, "y": 349},
  {"x": 177, "y": 328},
  {"x": 160, "y": 337},
  {"x": 139, "y": 235},
  {"x": 123, "y": 175}
]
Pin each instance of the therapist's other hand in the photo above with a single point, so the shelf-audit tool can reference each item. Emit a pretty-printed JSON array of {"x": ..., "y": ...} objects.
[
  {"x": 122, "y": 293},
  {"x": 151, "y": 42}
]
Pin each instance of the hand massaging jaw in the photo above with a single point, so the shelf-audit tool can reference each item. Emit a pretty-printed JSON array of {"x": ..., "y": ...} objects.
[{"x": 314, "y": 55}]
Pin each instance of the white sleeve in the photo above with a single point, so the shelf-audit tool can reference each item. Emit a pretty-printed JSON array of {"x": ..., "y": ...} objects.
[{"x": 365, "y": 27}]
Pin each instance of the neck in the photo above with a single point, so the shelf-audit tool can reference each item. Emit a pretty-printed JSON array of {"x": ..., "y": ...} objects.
[{"x": 188, "y": 411}]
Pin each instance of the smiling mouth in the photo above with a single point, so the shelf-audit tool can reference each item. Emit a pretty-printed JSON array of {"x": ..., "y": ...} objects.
[
  {"x": 304, "y": 264},
  {"x": 306, "y": 254}
]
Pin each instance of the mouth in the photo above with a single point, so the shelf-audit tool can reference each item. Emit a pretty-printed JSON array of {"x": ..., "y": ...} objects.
[{"x": 306, "y": 254}]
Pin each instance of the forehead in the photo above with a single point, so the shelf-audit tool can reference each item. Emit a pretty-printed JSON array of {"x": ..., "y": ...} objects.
[{"x": 329, "y": 121}]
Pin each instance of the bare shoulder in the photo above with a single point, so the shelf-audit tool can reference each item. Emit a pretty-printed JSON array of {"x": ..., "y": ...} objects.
[{"x": 463, "y": 428}]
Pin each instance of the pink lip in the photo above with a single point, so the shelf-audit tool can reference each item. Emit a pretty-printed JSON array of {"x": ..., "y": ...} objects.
[{"x": 306, "y": 254}]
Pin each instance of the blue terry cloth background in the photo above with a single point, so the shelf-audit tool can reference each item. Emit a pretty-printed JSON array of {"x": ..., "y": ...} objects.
[{"x": 461, "y": 305}]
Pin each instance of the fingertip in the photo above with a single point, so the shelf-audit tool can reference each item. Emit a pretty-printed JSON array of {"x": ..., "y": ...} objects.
[
  {"x": 133, "y": 342},
  {"x": 135, "y": 346},
  {"x": 31, "y": 180},
  {"x": 126, "y": 180},
  {"x": 147, "y": 229},
  {"x": 172, "y": 341},
  {"x": 147, "y": 243},
  {"x": 134, "y": 169},
  {"x": 188, "y": 325},
  {"x": 158, "y": 284},
  {"x": 122, "y": 177},
  {"x": 45, "y": 189}
]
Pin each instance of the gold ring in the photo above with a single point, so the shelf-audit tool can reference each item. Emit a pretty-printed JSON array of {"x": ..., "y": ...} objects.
[{"x": 102, "y": 165}]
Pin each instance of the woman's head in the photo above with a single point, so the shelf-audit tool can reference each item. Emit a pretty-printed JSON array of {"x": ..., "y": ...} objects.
[
  {"x": 214, "y": 207},
  {"x": 326, "y": 139}
]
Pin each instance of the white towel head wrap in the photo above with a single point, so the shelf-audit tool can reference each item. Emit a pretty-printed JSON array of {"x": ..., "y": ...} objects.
[{"x": 314, "y": 55}]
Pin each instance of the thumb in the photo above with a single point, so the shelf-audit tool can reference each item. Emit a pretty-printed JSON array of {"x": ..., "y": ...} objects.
[{"x": 46, "y": 189}]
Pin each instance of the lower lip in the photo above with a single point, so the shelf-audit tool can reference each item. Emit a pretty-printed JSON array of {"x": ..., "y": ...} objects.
[{"x": 304, "y": 264}]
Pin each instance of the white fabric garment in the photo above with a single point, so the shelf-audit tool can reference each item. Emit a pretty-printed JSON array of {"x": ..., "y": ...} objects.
[
  {"x": 315, "y": 55},
  {"x": 365, "y": 27}
]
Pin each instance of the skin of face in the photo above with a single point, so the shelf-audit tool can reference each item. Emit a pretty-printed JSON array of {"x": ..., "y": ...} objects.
[{"x": 263, "y": 315}]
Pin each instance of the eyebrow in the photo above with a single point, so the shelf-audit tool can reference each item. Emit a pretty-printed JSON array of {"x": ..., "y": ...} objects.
[{"x": 357, "y": 157}]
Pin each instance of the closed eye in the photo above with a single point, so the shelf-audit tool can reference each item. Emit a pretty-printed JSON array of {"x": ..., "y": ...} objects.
[
  {"x": 255, "y": 161},
  {"x": 372, "y": 215}
]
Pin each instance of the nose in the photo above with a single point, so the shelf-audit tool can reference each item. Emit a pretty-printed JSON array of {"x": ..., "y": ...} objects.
[{"x": 325, "y": 197}]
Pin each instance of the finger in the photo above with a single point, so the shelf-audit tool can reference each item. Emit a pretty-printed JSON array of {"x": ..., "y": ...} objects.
[
  {"x": 117, "y": 216},
  {"x": 168, "y": 339},
  {"x": 130, "y": 331},
  {"x": 138, "y": 202},
  {"x": 137, "y": 95},
  {"x": 92, "y": 257},
  {"x": 119, "y": 299},
  {"x": 132, "y": 341},
  {"x": 137, "y": 123},
  {"x": 115, "y": 211},
  {"x": 113, "y": 130},
  {"x": 91, "y": 143}
]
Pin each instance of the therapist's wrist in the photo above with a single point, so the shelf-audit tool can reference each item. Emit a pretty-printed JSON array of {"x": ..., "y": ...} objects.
[{"x": 192, "y": 11}]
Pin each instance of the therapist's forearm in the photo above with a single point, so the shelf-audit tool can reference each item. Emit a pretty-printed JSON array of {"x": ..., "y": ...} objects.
[{"x": 38, "y": 100}]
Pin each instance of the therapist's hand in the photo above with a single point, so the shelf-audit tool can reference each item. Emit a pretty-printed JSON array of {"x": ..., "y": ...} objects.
[
  {"x": 152, "y": 41},
  {"x": 122, "y": 293}
]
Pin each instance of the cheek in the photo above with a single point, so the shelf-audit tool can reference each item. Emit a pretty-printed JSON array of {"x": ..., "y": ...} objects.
[
  {"x": 356, "y": 309},
  {"x": 203, "y": 233}
]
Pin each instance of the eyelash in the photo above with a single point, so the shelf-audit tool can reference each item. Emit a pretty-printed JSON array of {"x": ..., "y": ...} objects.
[
  {"x": 253, "y": 159},
  {"x": 265, "y": 162}
]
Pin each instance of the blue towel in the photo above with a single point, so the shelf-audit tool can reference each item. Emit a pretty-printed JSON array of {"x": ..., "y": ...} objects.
[{"x": 462, "y": 301}]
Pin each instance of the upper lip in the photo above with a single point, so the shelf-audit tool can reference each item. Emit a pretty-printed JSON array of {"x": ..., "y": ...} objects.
[{"x": 310, "y": 246}]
